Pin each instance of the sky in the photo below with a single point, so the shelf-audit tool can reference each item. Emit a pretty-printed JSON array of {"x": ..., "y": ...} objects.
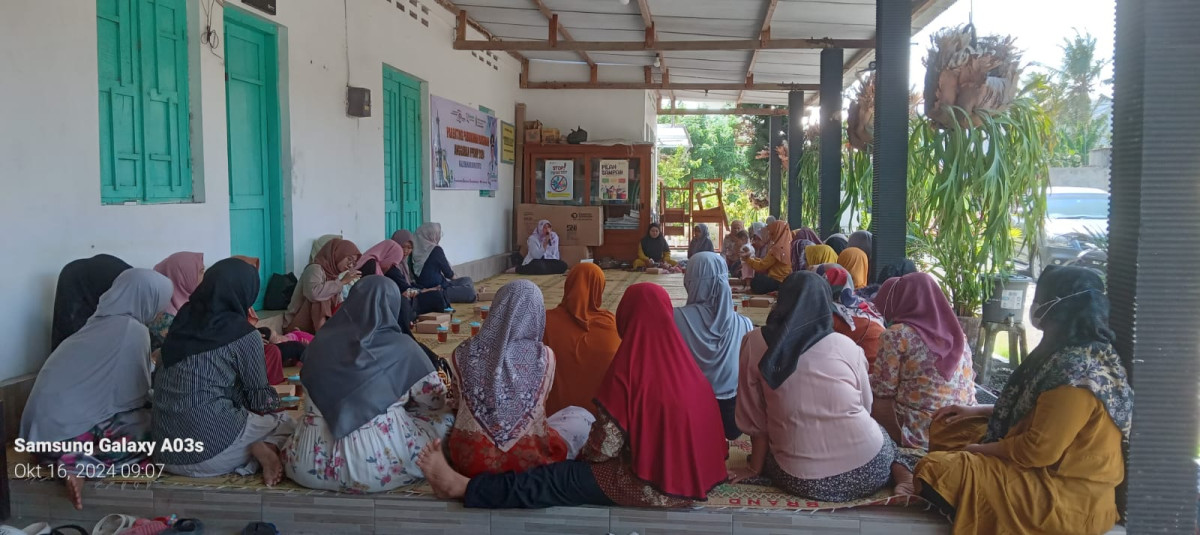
[{"x": 1038, "y": 25}]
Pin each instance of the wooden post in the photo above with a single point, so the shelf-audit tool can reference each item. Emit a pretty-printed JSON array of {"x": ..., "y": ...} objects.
[
  {"x": 460, "y": 31},
  {"x": 554, "y": 30},
  {"x": 774, "y": 178},
  {"x": 518, "y": 173}
]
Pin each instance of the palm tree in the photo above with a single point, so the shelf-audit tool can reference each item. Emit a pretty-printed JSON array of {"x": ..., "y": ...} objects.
[{"x": 1081, "y": 123}]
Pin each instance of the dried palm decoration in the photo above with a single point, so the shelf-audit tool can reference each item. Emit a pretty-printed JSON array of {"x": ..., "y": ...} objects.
[
  {"x": 860, "y": 124},
  {"x": 978, "y": 75}
]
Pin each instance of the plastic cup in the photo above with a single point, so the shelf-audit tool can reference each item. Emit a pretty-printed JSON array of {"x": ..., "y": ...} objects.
[
  {"x": 483, "y": 311},
  {"x": 745, "y": 300},
  {"x": 443, "y": 333},
  {"x": 456, "y": 326},
  {"x": 474, "y": 328}
]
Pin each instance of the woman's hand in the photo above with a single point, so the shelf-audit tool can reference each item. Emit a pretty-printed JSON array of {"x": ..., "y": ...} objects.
[
  {"x": 952, "y": 414},
  {"x": 411, "y": 293},
  {"x": 741, "y": 473},
  {"x": 350, "y": 277}
]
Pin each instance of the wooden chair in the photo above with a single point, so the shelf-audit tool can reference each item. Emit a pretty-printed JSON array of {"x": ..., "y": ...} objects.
[
  {"x": 709, "y": 207},
  {"x": 674, "y": 210}
]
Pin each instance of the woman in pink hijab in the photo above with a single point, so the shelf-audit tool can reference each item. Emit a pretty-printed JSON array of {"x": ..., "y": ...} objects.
[{"x": 186, "y": 270}]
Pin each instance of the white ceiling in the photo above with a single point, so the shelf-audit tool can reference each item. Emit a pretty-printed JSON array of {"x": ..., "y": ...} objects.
[{"x": 610, "y": 20}]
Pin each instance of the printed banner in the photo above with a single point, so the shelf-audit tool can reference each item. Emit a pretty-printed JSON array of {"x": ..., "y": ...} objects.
[
  {"x": 560, "y": 180},
  {"x": 508, "y": 142},
  {"x": 465, "y": 146},
  {"x": 614, "y": 180}
]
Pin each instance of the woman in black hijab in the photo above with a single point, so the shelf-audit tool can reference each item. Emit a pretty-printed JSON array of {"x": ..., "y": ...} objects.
[
  {"x": 375, "y": 398},
  {"x": 213, "y": 385},
  {"x": 80, "y": 285},
  {"x": 894, "y": 270},
  {"x": 1056, "y": 436},
  {"x": 798, "y": 375},
  {"x": 653, "y": 250}
]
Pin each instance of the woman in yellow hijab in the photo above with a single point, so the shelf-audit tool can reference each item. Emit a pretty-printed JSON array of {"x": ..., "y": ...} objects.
[
  {"x": 855, "y": 261},
  {"x": 816, "y": 255}
]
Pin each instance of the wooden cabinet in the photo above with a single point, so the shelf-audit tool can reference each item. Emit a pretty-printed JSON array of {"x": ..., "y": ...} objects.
[{"x": 625, "y": 219}]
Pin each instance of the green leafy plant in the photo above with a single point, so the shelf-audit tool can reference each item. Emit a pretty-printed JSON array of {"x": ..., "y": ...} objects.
[{"x": 969, "y": 188}]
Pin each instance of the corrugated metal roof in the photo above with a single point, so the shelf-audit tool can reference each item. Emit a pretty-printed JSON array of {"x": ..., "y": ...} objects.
[{"x": 695, "y": 20}]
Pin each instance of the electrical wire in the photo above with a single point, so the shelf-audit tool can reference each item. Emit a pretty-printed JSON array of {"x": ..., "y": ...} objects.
[
  {"x": 209, "y": 36},
  {"x": 346, "y": 27}
]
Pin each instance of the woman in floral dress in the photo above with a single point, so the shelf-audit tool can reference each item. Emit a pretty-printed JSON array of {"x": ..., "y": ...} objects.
[
  {"x": 374, "y": 399},
  {"x": 923, "y": 364}
]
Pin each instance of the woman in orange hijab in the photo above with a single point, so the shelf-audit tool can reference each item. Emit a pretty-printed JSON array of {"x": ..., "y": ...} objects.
[
  {"x": 776, "y": 263},
  {"x": 584, "y": 339},
  {"x": 855, "y": 261}
]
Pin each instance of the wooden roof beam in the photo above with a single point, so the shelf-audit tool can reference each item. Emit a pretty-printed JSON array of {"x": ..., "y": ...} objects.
[
  {"x": 664, "y": 46},
  {"x": 461, "y": 32},
  {"x": 667, "y": 85},
  {"x": 557, "y": 29},
  {"x": 727, "y": 111},
  {"x": 764, "y": 34},
  {"x": 652, "y": 40}
]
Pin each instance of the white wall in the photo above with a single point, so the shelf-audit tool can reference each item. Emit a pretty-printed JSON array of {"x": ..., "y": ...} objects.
[
  {"x": 605, "y": 114},
  {"x": 333, "y": 168}
]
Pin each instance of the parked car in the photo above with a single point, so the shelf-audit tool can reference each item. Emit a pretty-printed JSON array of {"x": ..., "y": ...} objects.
[{"x": 1076, "y": 219}]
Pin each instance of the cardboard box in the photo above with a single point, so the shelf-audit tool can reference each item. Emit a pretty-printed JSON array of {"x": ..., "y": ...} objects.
[
  {"x": 575, "y": 225},
  {"x": 550, "y": 135},
  {"x": 760, "y": 302},
  {"x": 430, "y": 327},
  {"x": 655, "y": 271},
  {"x": 438, "y": 317},
  {"x": 574, "y": 254},
  {"x": 483, "y": 293},
  {"x": 285, "y": 390}
]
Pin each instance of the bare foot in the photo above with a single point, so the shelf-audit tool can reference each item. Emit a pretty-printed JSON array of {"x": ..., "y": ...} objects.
[
  {"x": 904, "y": 480},
  {"x": 268, "y": 456},
  {"x": 75, "y": 491},
  {"x": 447, "y": 484}
]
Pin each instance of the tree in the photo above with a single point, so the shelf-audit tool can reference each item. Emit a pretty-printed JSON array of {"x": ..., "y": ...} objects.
[{"x": 1081, "y": 123}]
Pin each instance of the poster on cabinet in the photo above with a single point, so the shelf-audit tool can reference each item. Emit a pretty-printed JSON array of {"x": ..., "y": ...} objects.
[{"x": 560, "y": 180}]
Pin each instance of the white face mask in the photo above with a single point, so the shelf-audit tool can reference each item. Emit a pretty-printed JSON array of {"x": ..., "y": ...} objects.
[{"x": 1036, "y": 319}]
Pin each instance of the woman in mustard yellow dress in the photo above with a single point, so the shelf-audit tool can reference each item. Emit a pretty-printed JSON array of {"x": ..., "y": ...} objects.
[{"x": 1048, "y": 456}]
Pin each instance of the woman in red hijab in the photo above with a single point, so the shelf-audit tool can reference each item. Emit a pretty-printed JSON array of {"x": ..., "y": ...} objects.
[{"x": 656, "y": 443}]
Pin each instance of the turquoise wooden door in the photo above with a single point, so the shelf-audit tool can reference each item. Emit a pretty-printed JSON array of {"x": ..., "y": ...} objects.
[
  {"x": 252, "y": 98},
  {"x": 401, "y": 151}
]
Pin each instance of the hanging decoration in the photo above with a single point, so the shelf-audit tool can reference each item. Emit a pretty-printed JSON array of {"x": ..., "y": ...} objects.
[
  {"x": 977, "y": 75},
  {"x": 860, "y": 123}
]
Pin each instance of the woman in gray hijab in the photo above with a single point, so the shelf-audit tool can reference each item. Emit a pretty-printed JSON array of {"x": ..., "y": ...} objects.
[
  {"x": 374, "y": 399},
  {"x": 96, "y": 384}
]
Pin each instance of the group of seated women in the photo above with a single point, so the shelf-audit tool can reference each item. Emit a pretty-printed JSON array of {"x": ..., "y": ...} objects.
[{"x": 841, "y": 397}]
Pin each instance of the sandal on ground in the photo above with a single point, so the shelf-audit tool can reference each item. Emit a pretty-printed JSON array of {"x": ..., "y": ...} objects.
[{"x": 113, "y": 524}]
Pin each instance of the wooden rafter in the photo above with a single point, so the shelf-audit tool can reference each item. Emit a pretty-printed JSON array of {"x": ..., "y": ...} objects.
[
  {"x": 726, "y": 111},
  {"x": 652, "y": 40},
  {"x": 667, "y": 85},
  {"x": 663, "y": 46},
  {"x": 764, "y": 33},
  {"x": 556, "y": 29},
  {"x": 460, "y": 13}
]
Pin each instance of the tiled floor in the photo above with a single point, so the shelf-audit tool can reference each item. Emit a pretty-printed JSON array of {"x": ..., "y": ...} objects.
[{"x": 322, "y": 513}]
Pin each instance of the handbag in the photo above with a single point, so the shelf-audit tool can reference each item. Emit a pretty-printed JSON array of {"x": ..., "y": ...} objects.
[{"x": 279, "y": 291}]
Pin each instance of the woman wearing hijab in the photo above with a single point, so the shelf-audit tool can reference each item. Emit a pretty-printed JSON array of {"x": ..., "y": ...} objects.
[
  {"x": 374, "y": 399},
  {"x": 505, "y": 374},
  {"x": 894, "y": 270},
  {"x": 543, "y": 257},
  {"x": 853, "y": 316},
  {"x": 701, "y": 242},
  {"x": 96, "y": 384},
  {"x": 801, "y": 239},
  {"x": 319, "y": 290},
  {"x": 731, "y": 246},
  {"x": 653, "y": 250},
  {"x": 185, "y": 270},
  {"x": 758, "y": 238},
  {"x": 862, "y": 239},
  {"x": 1047, "y": 457},
  {"x": 805, "y": 400},
  {"x": 855, "y": 261},
  {"x": 212, "y": 387},
  {"x": 815, "y": 255},
  {"x": 837, "y": 242},
  {"x": 583, "y": 337},
  {"x": 776, "y": 264},
  {"x": 387, "y": 258},
  {"x": 713, "y": 331},
  {"x": 923, "y": 364},
  {"x": 433, "y": 273},
  {"x": 319, "y": 244},
  {"x": 80, "y": 285},
  {"x": 805, "y": 233},
  {"x": 656, "y": 442}
]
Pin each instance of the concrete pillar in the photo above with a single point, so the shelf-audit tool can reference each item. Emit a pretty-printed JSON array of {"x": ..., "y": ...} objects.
[
  {"x": 795, "y": 202},
  {"x": 831, "y": 140},
  {"x": 893, "y": 32}
]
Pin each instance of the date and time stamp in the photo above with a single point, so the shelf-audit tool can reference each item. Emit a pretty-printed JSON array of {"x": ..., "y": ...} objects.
[{"x": 85, "y": 451}]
